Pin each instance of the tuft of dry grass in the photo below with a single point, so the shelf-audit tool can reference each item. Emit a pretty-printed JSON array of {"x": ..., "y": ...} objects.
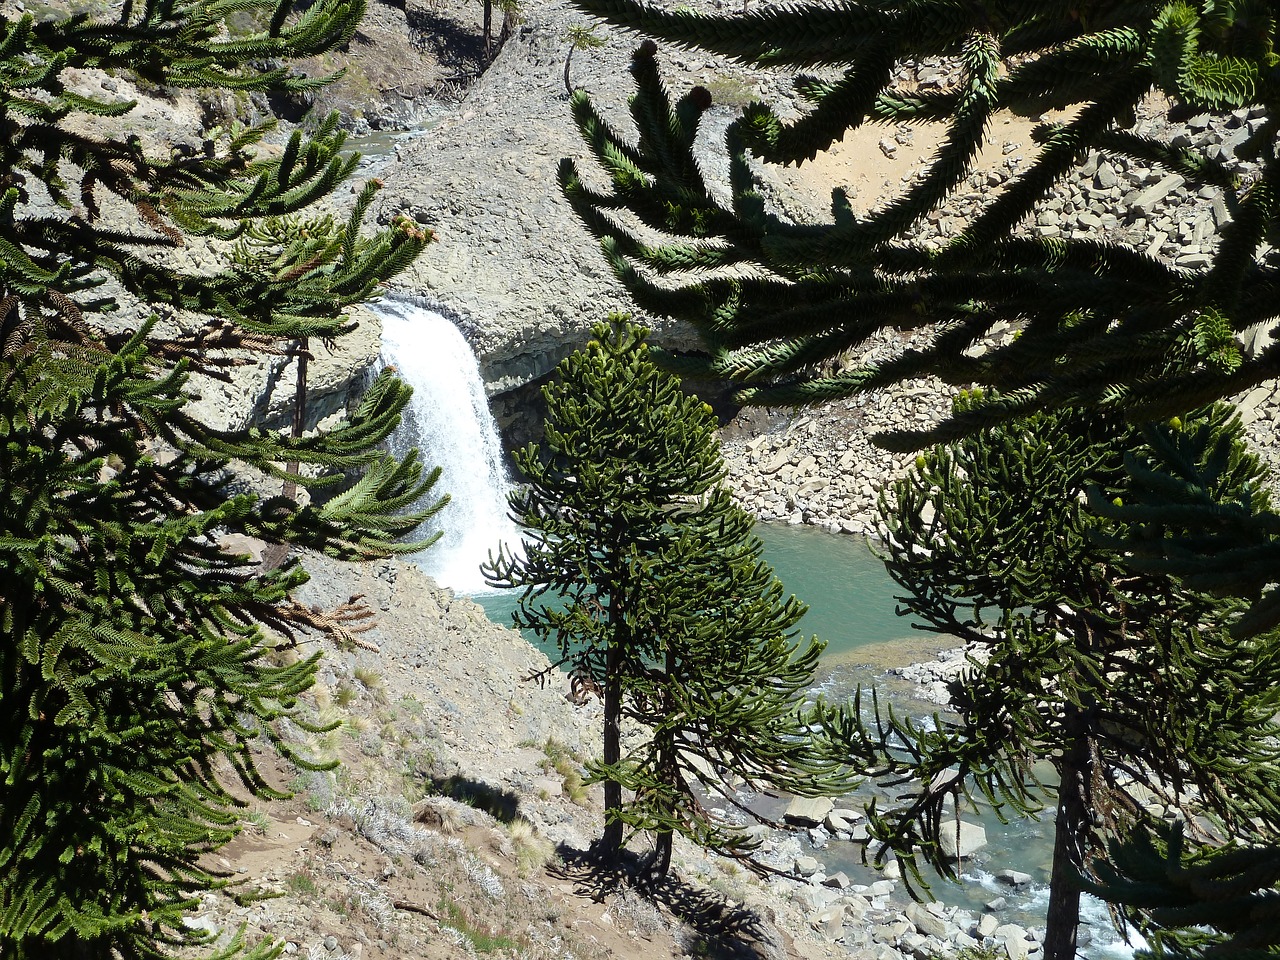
[{"x": 531, "y": 850}]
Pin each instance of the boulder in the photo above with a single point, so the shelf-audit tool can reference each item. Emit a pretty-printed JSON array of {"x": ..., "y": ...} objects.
[
  {"x": 890, "y": 932},
  {"x": 962, "y": 840},
  {"x": 987, "y": 925},
  {"x": 882, "y": 888},
  {"x": 829, "y": 921},
  {"x": 927, "y": 923},
  {"x": 807, "y": 866},
  {"x": 1017, "y": 949},
  {"x": 808, "y": 811},
  {"x": 813, "y": 898},
  {"x": 1013, "y": 878},
  {"x": 839, "y": 880},
  {"x": 1146, "y": 201}
]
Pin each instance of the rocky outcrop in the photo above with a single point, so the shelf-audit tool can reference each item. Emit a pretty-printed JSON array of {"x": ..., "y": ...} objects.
[
  {"x": 511, "y": 262},
  {"x": 523, "y": 279},
  {"x": 262, "y": 391}
]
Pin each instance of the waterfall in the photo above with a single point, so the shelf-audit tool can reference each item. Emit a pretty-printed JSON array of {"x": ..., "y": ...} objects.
[{"x": 449, "y": 421}]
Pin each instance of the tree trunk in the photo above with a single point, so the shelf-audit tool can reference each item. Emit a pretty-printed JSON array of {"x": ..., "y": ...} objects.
[
  {"x": 488, "y": 29},
  {"x": 668, "y": 771},
  {"x": 611, "y": 841},
  {"x": 1069, "y": 841},
  {"x": 660, "y": 864},
  {"x": 302, "y": 352}
]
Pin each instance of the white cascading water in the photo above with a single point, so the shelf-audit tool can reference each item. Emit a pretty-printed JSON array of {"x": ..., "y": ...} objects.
[{"x": 449, "y": 421}]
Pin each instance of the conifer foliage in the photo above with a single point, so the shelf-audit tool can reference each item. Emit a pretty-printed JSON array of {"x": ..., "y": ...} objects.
[
  {"x": 644, "y": 574},
  {"x": 134, "y": 675},
  {"x": 1101, "y": 322},
  {"x": 1130, "y": 686}
]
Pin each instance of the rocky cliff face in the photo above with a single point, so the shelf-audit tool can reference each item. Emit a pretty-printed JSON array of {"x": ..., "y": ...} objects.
[{"x": 523, "y": 279}]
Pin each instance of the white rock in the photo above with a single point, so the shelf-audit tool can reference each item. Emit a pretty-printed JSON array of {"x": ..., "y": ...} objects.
[
  {"x": 807, "y": 866},
  {"x": 829, "y": 921},
  {"x": 962, "y": 840},
  {"x": 926, "y": 922},
  {"x": 808, "y": 811},
  {"x": 1014, "y": 878}
]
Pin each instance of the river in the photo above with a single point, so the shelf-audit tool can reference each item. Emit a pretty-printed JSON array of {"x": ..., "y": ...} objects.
[{"x": 852, "y": 607}]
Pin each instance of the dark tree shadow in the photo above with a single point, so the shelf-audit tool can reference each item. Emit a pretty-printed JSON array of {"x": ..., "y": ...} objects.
[
  {"x": 457, "y": 47},
  {"x": 724, "y": 931},
  {"x": 502, "y": 805}
]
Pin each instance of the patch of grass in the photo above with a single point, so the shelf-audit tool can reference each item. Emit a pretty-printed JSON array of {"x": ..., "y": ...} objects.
[
  {"x": 369, "y": 677},
  {"x": 574, "y": 788},
  {"x": 568, "y": 764},
  {"x": 731, "y": 92},
  {"x": 315, "y": 787},
  {"x": 532, "y": 850},
  {"x": 346, "y": 694},
  {"x": 256, "y": 822},
  {"x": 483, "y": 940},
  {"x": 302, "y": 883},
  {"x": 981, "y": 953},
  {"x": 357, "y": 725},
  {"x": 418, "y": 768},
  {"x": 560, "y": 757}
]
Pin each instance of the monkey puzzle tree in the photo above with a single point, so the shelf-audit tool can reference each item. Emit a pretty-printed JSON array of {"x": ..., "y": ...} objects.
[
  {"x": 134, "y": 676},
  {"x": 580, "y": 38},
  {"x": 1130, "y": 687},
  {"x": 1189, "y": 900},
  {"x": 1099, "y": 322},
  {"x": 637, "y": 565}
]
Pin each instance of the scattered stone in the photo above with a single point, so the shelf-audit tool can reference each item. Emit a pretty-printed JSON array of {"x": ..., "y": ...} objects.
[
  {"x": 1146, "y": 201},
  {"x": 986, "y": 925},
  {"x": 808, "y": 811},
  {"x": 811, "y": 897},
  {"x": 807, "y": 866},
  {"x": 1014, "y": 937},
  {"x": 891, "y": 932},
  {"x": 963, "y": 841},
  {"x": 1013, "y": 878},
  {"x": 829, "y": 921},
  {"x": 927, "y": 923},
  {"x": 837, "y": 822}
]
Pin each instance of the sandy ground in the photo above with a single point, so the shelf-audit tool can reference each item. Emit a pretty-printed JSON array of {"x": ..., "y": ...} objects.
[{"x": 869, "y": 173}]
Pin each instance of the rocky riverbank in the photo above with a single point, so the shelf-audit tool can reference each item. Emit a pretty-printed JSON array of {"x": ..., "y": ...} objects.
[
  {"x": 457, "y": 822},
  {"x": 458, "y": 817}
]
